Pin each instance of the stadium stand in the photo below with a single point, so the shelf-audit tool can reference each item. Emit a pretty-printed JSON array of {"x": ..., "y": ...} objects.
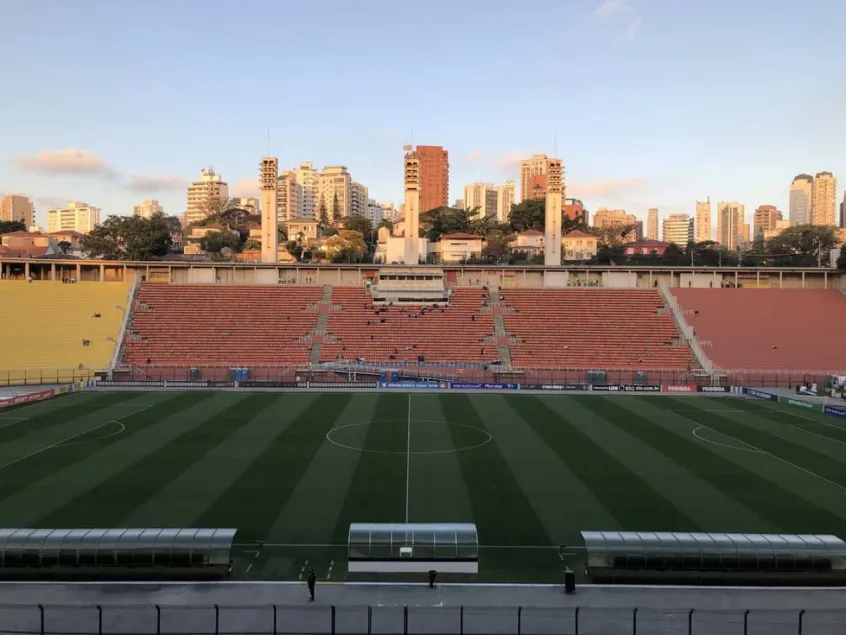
[
  {"x": 591, "y": 328},
  {"x": 222, "y": 325},
  {"x": 770, "y": 329},
  {"x": 44, "y": 325},
  {"x": 462, "y": 331}
]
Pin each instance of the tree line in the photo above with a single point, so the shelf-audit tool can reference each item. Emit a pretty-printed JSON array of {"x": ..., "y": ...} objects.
[{"x": 135, "y": 238}]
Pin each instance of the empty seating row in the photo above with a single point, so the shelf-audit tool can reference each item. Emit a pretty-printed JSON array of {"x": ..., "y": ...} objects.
[
  {"x": 454, "y": 332},
  {"x": 592, "y": 329},
  {"x": 222, "y": 325},
  {"x": 768, "y": 329}
]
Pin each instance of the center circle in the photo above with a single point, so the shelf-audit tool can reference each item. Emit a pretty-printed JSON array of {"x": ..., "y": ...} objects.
[{"x": 392, "y": 437}]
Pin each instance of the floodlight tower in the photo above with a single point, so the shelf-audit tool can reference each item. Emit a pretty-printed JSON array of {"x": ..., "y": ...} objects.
[
  {"x": 268, "y": 173},
  {"x": 552, "y": 223},
  {"x": 412, "y": 209}
]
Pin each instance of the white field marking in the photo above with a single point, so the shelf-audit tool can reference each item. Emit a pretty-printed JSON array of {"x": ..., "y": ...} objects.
[
  {"x": 249, "y": 566},
  {"x": 748, "y": 448},
  {"x": 806, "y": 418},
  {"x": 408, "y": 460},
  {"x": 302, "y": 571},
  {"x": 404, "y": 452},
  {"x": 331, "y": 564},
  {"x": 108, "y": 436},
  {"x": 777, "y": 458},
  {"x": 70, "y": 438},
  {"x": 330, "y": 545}
]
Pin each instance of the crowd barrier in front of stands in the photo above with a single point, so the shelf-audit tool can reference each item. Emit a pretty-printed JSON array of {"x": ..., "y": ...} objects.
[
  {"x": 463, "y": 373},
  {"x": 105, "y": 619}
]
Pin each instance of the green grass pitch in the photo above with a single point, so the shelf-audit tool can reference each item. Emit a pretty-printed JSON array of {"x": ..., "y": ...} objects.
[{"x": 295, "y": 469}]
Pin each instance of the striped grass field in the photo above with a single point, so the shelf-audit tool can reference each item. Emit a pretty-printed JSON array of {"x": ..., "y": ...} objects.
[{"x": 295, "y": 469}]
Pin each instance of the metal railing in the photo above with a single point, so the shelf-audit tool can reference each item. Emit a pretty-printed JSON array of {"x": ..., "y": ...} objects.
[
  {"x": 561, "y": 375},
  {"x": 107, "y": 619},
  {"x": 45, "y": 376}
]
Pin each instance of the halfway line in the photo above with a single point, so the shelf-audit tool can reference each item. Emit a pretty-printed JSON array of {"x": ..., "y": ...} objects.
[{"x": 408, "y": 459}]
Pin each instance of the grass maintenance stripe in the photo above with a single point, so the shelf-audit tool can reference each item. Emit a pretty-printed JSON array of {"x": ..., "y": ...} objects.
[
  {"x": 635, "y": 505},
  {"x": 253, "y": 502},
  {"x": 490, "y": 482},
  {"x": 786, "y": 511}
]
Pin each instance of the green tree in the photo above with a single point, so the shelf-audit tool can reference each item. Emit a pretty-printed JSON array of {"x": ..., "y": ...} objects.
[
  {"x": 322, "y": 214},
  {"x": 802, "y": 246},
  {"x": 9, "y": 226},
  {"x": 220, "y": 245},
  {"x": 346, "y": 246},
  {"x": 386, "y": 223},
  {"x": 64, "y": 246},
  {"x": 529, "y": 214},
  {"x": 364, "y": 226},
  {"x": 841, "y": 259},
  {"x": 173, "y": 224},
  {"x": 446, "y": 220},
  {"x": 128, "y": 238},
  {"x": 336, "y": 207}
]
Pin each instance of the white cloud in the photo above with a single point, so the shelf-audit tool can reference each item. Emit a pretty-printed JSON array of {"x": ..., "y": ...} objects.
[
  {"x": 611, "y": 7},
  {"x": 631, "y": 31},
  {"x": 246, "y": 188},
  {"x": 66, "y": 162},
  {"x": 51, "y": 202},
  {"x": 476, "y": 155},
  {"x": 144, "y": 183}
]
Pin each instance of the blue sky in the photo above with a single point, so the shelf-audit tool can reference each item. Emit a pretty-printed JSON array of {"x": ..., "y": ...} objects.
[{"x": 654, "y": 102}]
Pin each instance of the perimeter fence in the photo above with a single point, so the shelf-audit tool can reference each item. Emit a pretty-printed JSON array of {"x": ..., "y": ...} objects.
[{"x": 315, "y": 619}]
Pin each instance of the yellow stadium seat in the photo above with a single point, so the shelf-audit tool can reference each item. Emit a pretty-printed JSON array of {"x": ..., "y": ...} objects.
[{"x": 43, "y": 325}]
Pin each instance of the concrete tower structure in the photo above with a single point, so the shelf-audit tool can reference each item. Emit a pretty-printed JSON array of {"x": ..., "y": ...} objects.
[
  {"x": 412, "y": 210},
  {"x": 268, "y": 175},
  {"x": 552, "y": 224}
]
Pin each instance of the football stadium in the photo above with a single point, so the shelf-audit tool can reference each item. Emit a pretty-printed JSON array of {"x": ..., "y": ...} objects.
[{"x": 608, "y": 450}]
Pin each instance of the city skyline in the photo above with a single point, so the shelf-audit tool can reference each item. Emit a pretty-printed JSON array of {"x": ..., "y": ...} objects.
[{"x": 117, "y": 124}]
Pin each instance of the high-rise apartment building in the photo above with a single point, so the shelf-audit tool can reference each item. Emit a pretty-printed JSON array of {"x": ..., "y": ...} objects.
[
  {"x": 390, "y": 212},
  {"x": 505, "y": 196},
  {"x": 612, "y": 218},
  {"x": 533, "y": 177},
  {"x": 764, "y": 220},
  {"x": 702, "y": 224},
  {"x": 482, "y": 196},
  {"x": 306, "y": 177},
  {"x": 824, "y": 199},
  {"x": 434, "y": 176},
  {"x": 574, "y": 209},
  {"x": 374, "y": 213},
  {"x": 206, "y": 196},
  {"x": 358, "y": 199},
  {"x": 249, "y": 204},
  {"x": 17, "y": 208},
  {"x": 289, "y": 197},
  {"x": 77, "y": 216},
  {"x": 730, "y": 224},
  {"x": 652, "y": 224},
  {"x": 334, "y": 192},
  {"x": 843, "y": 210},
  {"x": 147, "y": 209},
  {"x": 678, "y": 229},
  {"x": 801, "y": 201}
]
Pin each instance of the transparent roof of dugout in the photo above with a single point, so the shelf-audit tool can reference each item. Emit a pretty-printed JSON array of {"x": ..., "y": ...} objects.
[
  {"x": 677, "y": 543},
  {"x": 427, "y": 540},
  {"x": 160, "y": 540}
]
